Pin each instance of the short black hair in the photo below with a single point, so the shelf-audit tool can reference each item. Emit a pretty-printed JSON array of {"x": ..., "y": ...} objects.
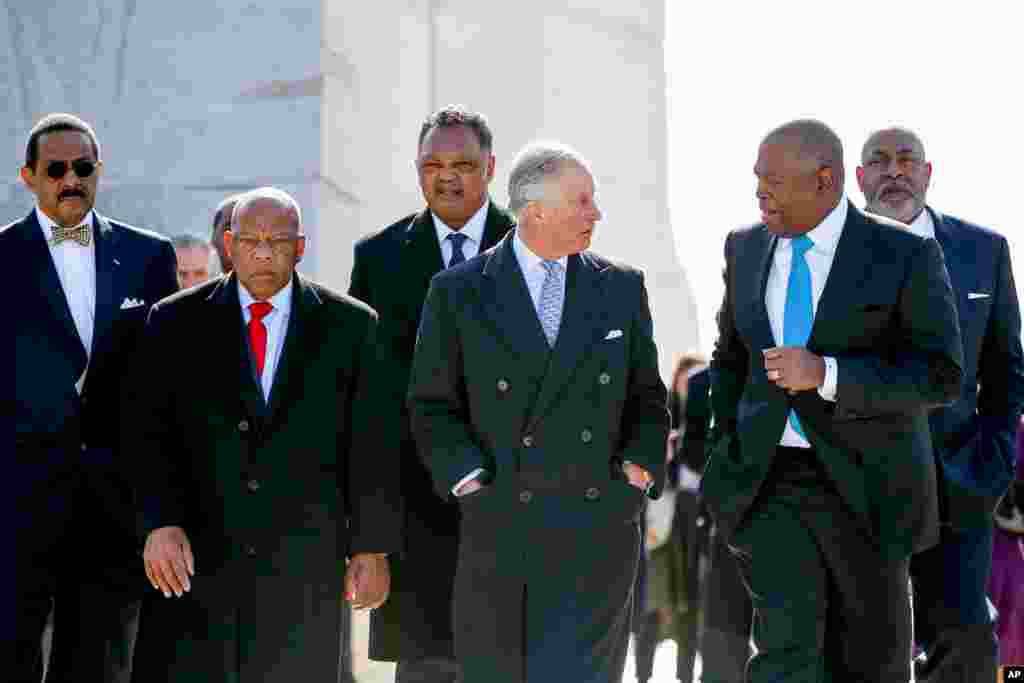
[
  {"x": 457, "y": 115},
  {"x": 225, "y": 209},
  {"x": 55, "y": 123}
]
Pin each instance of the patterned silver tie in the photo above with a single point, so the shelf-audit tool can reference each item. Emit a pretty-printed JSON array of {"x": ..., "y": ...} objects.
[{"x": 551, "y": 296}]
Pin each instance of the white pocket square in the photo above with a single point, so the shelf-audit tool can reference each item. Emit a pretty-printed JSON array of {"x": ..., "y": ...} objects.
[
  {"x": 977, "y": 295},
  {"x": 132, "y": 303},
  {"x": 614, "y": 334}
]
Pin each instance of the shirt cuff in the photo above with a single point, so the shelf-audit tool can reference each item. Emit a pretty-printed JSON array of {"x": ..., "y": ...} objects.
[
  {"x": 827, "y": 390},
  {"x": 468, "y": 478}
]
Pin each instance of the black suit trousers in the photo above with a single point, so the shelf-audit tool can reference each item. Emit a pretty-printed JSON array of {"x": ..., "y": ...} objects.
[{"x": 827, "y": 607}]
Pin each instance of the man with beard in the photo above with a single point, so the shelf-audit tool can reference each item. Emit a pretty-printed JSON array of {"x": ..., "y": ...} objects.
[
  {"x": 535, "y": 399},
  {"x": 837, "y": 333},
  {"x": 392, "y": 270},
  {"x": 83, "y": 284},
  {"x": 972, "y": 440}
]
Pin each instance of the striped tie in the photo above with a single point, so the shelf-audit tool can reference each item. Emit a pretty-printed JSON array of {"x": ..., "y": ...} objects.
[{"x": 551, "y": 295}]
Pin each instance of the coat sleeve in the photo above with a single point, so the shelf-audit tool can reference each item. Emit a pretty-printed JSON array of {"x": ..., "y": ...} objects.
[
  {"x": 645, "y": 418},
  {"x": 729, "y": 364},
  {"x": 926, "y": 367},
  {"x": 1001, "y": 369},
  {"x": 370, "y": 454},
  {"x": 359, "y": 283},
  {"x": 437, "y": 396}
]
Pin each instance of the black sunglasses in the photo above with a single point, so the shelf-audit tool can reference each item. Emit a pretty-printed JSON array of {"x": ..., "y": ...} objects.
[{"x": 83, "y": 168}]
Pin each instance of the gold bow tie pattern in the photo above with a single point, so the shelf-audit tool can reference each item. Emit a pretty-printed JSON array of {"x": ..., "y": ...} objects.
[{"x": 80, "y": 233}]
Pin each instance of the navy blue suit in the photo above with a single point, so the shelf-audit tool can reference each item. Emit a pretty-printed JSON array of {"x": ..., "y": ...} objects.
[
  {"x": 974, "y": 453},
  {"x": 71, "y": 508}
]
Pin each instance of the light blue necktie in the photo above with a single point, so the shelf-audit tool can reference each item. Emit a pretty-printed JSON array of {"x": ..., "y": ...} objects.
[
  {"x": 551, "y": 299},
  {"x": 799, "y": 312},
  {"x": 457, "y": 239}
]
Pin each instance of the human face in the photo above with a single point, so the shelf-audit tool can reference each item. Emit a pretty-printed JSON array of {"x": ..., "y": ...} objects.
[
  {"x": 565, "y": 220},
  {"x": 223, "y": 225},
  {"x": 894, "y": 175},
  {"x": 788, "y": 189},
  {"x": 68, "y": 199},
  {"x": 193, "y": 266},
  {"x": 454, "y": 174},
  {"x": 264, "y": 269}
]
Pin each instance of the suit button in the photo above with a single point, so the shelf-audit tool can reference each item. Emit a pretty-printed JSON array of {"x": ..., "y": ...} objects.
[
  {"x": 502, "y": 385},
  {"x": 528, "y": 440},
  {"x": 525, "y": 497},
  {"x": 253, "y": 486},
  {"x": 250, "y": 550},
  {"x": 604, "y": 378},
  {"x": 243, "y": 426},
  {"x": 586, "y": 436},
  {"x": 84, "y": 447},
  {"x": 592, "y": 493},
  {"x": 85, "y": 401}
]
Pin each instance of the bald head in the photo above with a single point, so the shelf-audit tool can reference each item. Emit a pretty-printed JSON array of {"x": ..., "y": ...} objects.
[
  {"x": 907, "y": 139},
  {"x": 264, "y": 198},
  {"x": 265, "y": 241},
  {"x": 812, "y": 141}
]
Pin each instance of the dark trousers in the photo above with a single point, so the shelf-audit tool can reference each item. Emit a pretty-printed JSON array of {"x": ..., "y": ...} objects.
[
  {"x": 952, "y": 623},
  {"x": 728, "y": 615},
  {"x": 428, "y": 670},
  {"x": 827, "y": 606}
]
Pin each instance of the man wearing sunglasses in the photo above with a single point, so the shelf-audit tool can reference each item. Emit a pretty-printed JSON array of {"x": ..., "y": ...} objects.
[{"x": 81, "y": 285}]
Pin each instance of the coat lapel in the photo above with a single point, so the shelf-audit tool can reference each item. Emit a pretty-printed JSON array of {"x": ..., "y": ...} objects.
[
  {"x": 944, "y": 236},
  {"x": 230, "y": 324},
  {"x": 751, "y": 315},
  {"x": 507, "y": 305},
  {"x": 301, "y": 341},
  {"x": 580, "y": 328},
  {"x": 421, "y": 252},
  {"x": 107, "y": 272}
]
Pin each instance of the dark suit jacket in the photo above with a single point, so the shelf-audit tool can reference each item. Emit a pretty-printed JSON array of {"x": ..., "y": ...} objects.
[
  {"x": 391, "y": 273},
  {"x": 552, "y": 428},
  {"x": 974, "y": 438},
  {"x": 53, "y": 427},
  {"x": 273, "y": 497},
  {"x": 888, "y": 316}
]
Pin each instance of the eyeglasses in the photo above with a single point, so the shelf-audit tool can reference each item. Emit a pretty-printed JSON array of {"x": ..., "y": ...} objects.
[
  {"x": 83, "y": 168},
  {"x": 278, "y": 244}
]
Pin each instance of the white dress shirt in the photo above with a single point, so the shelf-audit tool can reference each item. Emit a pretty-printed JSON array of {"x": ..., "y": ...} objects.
[
  {"x": 473, "y": 230},
  {"x": 76, "y": 269},
  {"x": 534, "y": 274},
  {"x": 276, "y": 323},
  {"x": 923, "y": 225},
  {"x": 819, "y": 261}
]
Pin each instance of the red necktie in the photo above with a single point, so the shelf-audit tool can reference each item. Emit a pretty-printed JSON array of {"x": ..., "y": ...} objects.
[{"x": 258, "y": 333}]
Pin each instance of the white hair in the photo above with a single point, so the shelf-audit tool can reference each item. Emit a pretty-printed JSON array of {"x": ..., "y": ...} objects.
[
  {"x": 535, "y": 167},
  {"x": 273, "y": 194}
]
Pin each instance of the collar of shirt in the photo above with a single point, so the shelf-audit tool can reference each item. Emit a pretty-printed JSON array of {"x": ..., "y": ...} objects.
[
  {"x": 826, "y": 234},
  {"x": 48, "y": 224},
  {"x": 282, "y": 301},
  {"x": 473, "y": 229},
  {"x": 529, "y": 261},
  {"x": 923, "y": 225}
]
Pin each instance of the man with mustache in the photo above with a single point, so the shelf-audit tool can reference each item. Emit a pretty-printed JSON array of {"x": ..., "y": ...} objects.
[
  {"x": 973, "y": 439},
  {"x": 84, "y": 285},
  {"x": 392, "y": 269},
  {"x": 837, "y": 333},
  {"x": 536, "y": 403}
]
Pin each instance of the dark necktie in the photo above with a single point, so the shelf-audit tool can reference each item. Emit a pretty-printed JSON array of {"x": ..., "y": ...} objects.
[
  {"x": 457, "y": 239},
  {"x": 258, "y": 334}
]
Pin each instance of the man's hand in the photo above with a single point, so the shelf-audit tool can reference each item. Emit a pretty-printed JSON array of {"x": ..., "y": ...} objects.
[
  {"x": 637, "y": 476},
  {"x": 368, "y": 580},
  {"x": 471, "y": 486},
  {"x": 169, "y": 562},
  {"x": 670, "y": 445},
  {"x": 794, "y": 368}
]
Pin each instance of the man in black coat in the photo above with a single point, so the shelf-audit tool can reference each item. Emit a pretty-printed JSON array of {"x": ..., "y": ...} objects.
[
  {"x": 392, "y": 271},
  {"x": 535, "y": 398},
  {"x": 79, "y": 288},
  {"x": 973, "y": 439},
  {"x": 837, "y": 334},
  {"x": 254, "y": 493}
]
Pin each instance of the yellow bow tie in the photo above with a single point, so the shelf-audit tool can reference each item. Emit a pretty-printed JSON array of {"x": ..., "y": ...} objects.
[{"x": 80, "y": 233}]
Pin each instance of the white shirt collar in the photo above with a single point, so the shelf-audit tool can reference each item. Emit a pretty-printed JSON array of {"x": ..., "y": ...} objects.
[
  {"x": 473, "y": 229},
  {"x": 48, "y": 224},
  {"x": 826, "y": 234},
  {"x": 527, "y": 259},
  {"x": 282, "y": 301},
  {"x": 923, "y": 225}
]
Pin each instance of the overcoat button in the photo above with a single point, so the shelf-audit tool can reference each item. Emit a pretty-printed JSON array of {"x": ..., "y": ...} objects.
[
  {"x": 604, "y": 378},
  {"x": 528, "y": 440},
  {"x": 253, "y": 486},
  {"x": 525, "y": 497},
  {"x": 586, "y": 436},
  {"x": 592, "y": 493},
  {"x": 243, "y": 426},
  {"x": 502, "y": 385},
  {"x": 250, "y": 550},
  {"x": 84, "y": 447}
]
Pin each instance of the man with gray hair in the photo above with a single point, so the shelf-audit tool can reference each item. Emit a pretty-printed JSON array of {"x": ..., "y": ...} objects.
[
  {"x": 259, "y": 491},
  {"x": 536, "y": 402},
  {"x": 193, "y": 260}
]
